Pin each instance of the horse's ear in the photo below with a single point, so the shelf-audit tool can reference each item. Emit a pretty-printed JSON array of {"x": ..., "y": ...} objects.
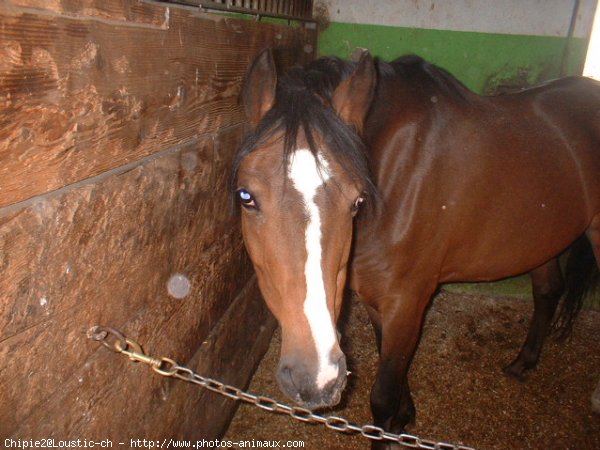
[
  {"x": 352, "y": 98},
  {"x": 258, "y": 93}
]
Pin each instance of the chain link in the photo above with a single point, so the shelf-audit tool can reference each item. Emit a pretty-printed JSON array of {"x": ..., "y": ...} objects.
[{"x": 117, "y": 342}]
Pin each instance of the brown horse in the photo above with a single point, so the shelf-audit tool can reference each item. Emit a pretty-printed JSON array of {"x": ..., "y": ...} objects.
[{"x": 457, "y": 187}]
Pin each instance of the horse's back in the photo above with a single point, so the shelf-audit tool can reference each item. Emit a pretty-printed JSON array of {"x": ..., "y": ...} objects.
[
  {"x": 510, "y": 180},
  {"x": 552, "y": 135}
]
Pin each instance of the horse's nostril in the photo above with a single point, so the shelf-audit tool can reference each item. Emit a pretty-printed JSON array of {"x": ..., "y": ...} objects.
[
  {"x": 285, "y": 374},
  {"x": 286, "y": 382},
  {"x": 342, "y": 373}
]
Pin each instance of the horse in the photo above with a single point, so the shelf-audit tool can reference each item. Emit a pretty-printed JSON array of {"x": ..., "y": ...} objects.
[{"x": 395, "y": 178}]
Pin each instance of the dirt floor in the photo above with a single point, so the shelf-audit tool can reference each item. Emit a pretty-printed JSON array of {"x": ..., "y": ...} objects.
[{"x": 460, "y": 393}]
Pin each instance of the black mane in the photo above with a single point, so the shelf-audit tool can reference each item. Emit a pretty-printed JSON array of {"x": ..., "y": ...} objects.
[
  {"x": 303, "y": 105},
  {"x": 414, "y": 69}
]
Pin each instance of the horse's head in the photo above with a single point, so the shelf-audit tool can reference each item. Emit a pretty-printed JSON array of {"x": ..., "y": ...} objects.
[{"x": 300, "y": 178}]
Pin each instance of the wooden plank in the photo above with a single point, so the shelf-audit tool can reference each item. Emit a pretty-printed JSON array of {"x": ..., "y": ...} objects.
[
  {"x": 79, "y": 96},
  {"x": 127, "y": 12},
  {"x": 52, "y": 249},
  {"x": 108, "y": 397},
  {"x": 227, "y": 352},
  {"x": 103, "y": 254},
  {"x": 115, "y": 244}
]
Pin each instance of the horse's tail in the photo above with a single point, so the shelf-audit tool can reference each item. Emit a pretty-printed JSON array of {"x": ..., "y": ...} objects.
[{"x": 581, "y": 279}]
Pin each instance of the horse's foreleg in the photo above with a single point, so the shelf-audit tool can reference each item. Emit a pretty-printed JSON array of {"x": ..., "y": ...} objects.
[
  {"x": 593, "y": 234},
  {"x": 398, "y": 321},
  {"x": 391, "y": 401},
  {"x": 376, "y": 322},
  {"x": 548, "y": 286}
]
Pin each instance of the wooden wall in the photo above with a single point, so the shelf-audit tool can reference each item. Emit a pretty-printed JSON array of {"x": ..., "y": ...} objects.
[{"x": 118, "y": 121}]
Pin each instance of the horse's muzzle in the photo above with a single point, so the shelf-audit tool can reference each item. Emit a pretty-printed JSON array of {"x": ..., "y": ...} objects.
[{"x": 298, "y": 382}]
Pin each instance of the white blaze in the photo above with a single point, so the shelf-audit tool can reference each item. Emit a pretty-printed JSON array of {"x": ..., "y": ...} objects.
[{"x": 305, "y": 175}]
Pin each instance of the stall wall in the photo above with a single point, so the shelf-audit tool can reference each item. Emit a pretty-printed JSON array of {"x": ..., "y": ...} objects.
[
  {"x": 489, "y": 45},
  {"x": 118, "y": 122}
]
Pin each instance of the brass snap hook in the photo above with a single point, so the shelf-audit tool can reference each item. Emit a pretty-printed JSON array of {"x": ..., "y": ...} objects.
[
  {"x": 112, "y": 339},
  {"x": 117, "y": 342}
]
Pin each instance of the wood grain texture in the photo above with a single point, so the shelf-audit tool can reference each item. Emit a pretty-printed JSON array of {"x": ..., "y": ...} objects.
[
  {"x": 117, "y": 132},
  {"x": 131, "y": 13},
  {"x": 103, "y": 254},
  {"x": 126, "y": 224},
  {"x": 79, "y": 96}
]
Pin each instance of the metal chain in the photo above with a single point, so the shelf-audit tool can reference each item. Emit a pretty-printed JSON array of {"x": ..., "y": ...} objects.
[{"x": 117, "y": 342}]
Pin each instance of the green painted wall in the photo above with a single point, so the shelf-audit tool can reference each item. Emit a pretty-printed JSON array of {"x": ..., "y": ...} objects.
[{"x": 485, "y": 62}]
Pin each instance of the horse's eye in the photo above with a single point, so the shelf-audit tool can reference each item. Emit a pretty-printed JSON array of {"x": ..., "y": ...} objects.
[
  {"x": 246, "y": 199},
  {"x": 359, "y": 201}
]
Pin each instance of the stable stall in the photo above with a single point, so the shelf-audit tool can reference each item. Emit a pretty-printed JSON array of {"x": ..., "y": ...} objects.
[{"x": 120, "y": 247}]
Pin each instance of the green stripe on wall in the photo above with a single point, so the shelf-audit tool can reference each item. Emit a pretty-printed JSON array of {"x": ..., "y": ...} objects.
[{"x": 485, "y": 62}]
